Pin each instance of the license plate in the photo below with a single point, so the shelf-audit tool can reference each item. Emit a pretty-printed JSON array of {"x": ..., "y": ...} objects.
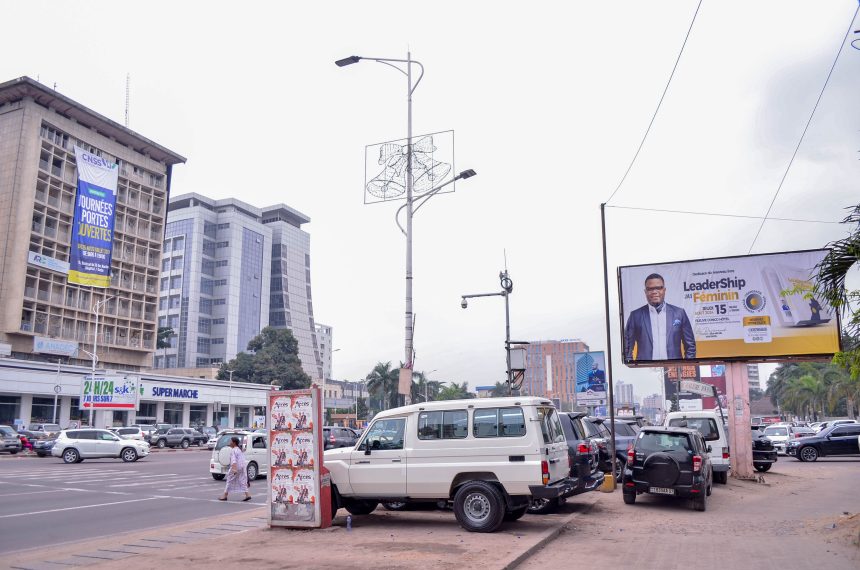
[{"x": 661, "y": 491}]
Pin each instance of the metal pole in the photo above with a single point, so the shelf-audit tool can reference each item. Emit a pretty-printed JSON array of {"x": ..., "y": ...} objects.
[
  {"x": 608, "y": 340},
  {"x": 508, "y": 343},
  {"x": 230, "y": 402},
  {"x": 408, "y": 332},
  {"x": 54, "y": 418},
  {"x": 95, "y": 358}
]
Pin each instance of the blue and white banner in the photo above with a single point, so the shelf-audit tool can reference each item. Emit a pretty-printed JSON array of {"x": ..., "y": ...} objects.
[{"x": 92, "y": 231}]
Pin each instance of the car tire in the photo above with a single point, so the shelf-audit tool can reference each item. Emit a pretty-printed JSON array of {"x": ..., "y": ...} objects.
[
  {"x": 128, "y": 455},
  {"x": 763, "y": 467},
  {"x": 161, "y": 444},
  {"x": 721, "y": 477},
  {"x": 515, "y": 514},
  {"x": 71, "y": 455},
  {"x": 218, "y": 476},
  {"x": 395, "y": 506},
  {"x": 479, "y": 506},
  {"x": 13, "y": 452},
  {"x": 629, "y": 498},
  {"x": 253, "y": 471},
  {"x": 710, "y": 489},
  {"x": 542, "y": 506},
  {"x": 700, "y": 503},
  {"x": 808, "y": 453},
  {"x": 42, "y": 455},
  {"x": 361, "y": 507},
  {"x": 185, "y": 444}
]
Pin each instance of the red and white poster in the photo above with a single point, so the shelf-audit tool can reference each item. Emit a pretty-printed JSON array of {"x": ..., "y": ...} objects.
[{"x": 295, "y": 473}]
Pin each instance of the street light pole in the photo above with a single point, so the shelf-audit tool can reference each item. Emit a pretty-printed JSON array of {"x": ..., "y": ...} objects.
[
  {"x": 230, "y": 401},
  {"x": 94, "y": 353},
  {"x": 507, "y": 288}
]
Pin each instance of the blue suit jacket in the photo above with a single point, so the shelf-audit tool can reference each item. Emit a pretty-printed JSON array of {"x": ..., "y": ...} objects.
[{"x": 679, "y": 333}]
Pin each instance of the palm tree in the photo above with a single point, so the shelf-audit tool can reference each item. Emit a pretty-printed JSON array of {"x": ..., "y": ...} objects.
[
  {"x": 456, "y": 392},
  {"x": 382, "y": 383},
  {"x": 806, "y": 395},
  {"x": 500, "y": 390},
  {"x": 424, "y": 389},
  {"x": 845, "y": 387}
]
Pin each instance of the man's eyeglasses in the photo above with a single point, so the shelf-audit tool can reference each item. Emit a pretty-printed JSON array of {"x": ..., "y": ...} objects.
[{"x": 653, "y": 289}]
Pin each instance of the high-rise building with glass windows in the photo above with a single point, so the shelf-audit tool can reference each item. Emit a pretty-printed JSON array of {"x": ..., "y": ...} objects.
[
  {"x": 324, "y": 338},
  {"x": 229, "y": 270},
  {"x": 39, "y": 128}
]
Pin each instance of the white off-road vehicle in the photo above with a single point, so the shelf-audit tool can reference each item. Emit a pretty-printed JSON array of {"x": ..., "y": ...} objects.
[{"x": 489, "y": 456}]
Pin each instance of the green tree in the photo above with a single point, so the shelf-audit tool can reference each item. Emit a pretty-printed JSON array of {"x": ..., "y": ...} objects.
[
  {"x": 274, "y": 360},
  {"x": 162, "y": 337},
  {"x": 500, "y": 390},
  {"x": 456, "y": 391},
  {"x": 382, "y": 383},
  {"x": 363, "y": 411},
  {"x": 845, "y": 387},
  {"x": 424, "y": 389}
]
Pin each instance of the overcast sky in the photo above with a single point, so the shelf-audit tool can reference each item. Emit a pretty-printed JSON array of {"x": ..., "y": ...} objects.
[{"x": 548, "y": 100}]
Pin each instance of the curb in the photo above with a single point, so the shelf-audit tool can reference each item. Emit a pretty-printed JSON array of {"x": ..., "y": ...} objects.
[{"x": 550, "y": 535}]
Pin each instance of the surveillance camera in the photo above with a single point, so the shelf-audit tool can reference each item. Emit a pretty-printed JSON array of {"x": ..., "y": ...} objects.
[{"x": 464, "y": 303}]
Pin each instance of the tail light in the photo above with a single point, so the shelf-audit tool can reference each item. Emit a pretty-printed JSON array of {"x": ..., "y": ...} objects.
[
  {"x": 583, "y": 448},
  {"x": 726, "y": 454},
  {"x": 631, "y": 456},
  {"x": 697, "y": 464},
  {"x": 331, "y": 438},
  {"x": 544, "y": 472}
]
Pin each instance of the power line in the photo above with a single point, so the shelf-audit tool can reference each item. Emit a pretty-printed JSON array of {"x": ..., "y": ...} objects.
[
  {"x": 719, "y": 215},
  {"x": 803, "y": 134},
  {"x": 659, "y": 104}
]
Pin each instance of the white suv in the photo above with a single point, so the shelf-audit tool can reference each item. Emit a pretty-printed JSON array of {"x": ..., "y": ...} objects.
[
  {"x": 253, "y": 445},
  {"x": 490, "y": 456},
  {"x": 710, "y": 425},
  {"x": 75, "y": 445}
]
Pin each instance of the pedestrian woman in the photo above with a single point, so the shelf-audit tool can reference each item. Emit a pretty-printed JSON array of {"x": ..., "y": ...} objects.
[{"x": 237, "y": 477}]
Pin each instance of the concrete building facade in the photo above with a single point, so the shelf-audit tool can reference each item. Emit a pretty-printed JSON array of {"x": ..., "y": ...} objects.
[
  {"x": 324, "y": 337},
  {"x": 624, "y": 394},
  {"x": 39, "y": 129},
  {"x": 550, "y": 369}
]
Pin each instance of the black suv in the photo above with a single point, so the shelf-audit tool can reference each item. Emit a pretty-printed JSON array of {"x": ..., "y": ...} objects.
[
  {"x": 841, "y": 439},
  {"x": 584, "y": 463},
  {"x": 669, "y": 461},
  {"x": 764, "y": 454}
]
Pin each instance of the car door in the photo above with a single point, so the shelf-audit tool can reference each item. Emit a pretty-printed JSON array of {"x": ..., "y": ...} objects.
[
  {"x": 85, "y": 442},
  {"x": 377, "y": 467},
  {"x": 842, "y": 441},
  {"x": 107, "y": 444}
]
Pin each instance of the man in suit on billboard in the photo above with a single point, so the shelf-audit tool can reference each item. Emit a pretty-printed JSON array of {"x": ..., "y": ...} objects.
[{"x": 658, "y": 331}]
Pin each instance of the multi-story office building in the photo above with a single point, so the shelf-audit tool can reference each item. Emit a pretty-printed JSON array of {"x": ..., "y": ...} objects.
[
  {"x": 229, "y": 270},
  {"x": 624, "y": 394},
  {"x": 551, "y": 369},
  {"x": 324, "y": 338},
  {"x": 753, "y": 375},
  {"x": 39, "y": 129}
]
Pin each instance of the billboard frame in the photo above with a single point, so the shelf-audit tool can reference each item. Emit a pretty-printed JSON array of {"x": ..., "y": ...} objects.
[{"x": 727, "y": 359}]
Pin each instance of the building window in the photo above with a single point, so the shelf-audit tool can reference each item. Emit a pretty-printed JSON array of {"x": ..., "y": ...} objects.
[
  {"x": 178, "y": 243},
  {"x": 166, "y": 247},
  {"x": 162, "y": 304},
  {"x": 173, "y": 413},
  {"x": 175, "y": 302},
  {"x": 219, "y": 301},
  {"x": 222, "y": 244},
  {"x": 165, "y": 264},
  {"x": 146, "y": 412},
  {"x": 223, "y": 226},
  {"x": 176, "y": 282},
  {"x": 217, "y": 341},
  {"x": 164, "y": 282},
  {"x": 204, "y": 325},
  {"x": 221, "y": 263},
  {"x": 217, "y": 321},
  {"x": 220, "y": 282},
  {"x": 209, "y": 247},
  {"x": 177, "y": 263},
  {"x": 202, "y": 362},
  {"x": 206, "y": 305}
]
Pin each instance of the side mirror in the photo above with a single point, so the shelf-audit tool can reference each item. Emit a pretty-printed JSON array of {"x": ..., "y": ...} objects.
[
  {"x": 366, "y": 449},
  {"x": 709, "y": 449}
]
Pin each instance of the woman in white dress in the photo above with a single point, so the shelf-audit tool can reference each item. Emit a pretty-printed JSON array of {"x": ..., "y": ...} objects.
[{"x": 237, "y": 476}]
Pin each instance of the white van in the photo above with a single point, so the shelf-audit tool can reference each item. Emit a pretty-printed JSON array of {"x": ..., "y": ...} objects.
[
  {"x": 253, "y": 445},
  {"x": 489, "y": 456},
  {"x": 710, "y": 425}
]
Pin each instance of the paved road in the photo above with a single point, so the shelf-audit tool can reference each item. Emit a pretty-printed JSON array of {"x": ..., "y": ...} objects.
[
  {"x": 797, "y": 520},
  {"x": 46, "y": 502}
]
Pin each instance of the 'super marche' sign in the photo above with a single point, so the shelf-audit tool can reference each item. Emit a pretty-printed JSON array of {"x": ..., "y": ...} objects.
[{"x": 109, "y": 393}]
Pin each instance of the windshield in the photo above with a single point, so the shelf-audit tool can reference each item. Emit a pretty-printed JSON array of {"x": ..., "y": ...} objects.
[
  {"x": 224, "y": 440},
  {"x": 651, "y": 442},
  {"x": 6, "y": 431},
  {"x": 705, "y": 426}
]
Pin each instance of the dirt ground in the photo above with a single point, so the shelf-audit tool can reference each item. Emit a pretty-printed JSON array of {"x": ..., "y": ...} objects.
[{"x": 805, "y": 515}]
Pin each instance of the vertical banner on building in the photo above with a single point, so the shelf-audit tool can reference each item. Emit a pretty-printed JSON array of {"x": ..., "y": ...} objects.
[
  {"x": 299, "y": 485},
  {"x": 590, "y": 379},
  {"x": 92, "y": 229}
]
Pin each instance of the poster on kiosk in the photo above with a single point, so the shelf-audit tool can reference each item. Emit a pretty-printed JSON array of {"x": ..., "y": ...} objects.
[{"x": 300, "y": 491}]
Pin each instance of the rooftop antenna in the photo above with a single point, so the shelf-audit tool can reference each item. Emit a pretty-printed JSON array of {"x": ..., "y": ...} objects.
[
  {"x": 505, "y": 253},
  {"x": 127, "y": 88}
]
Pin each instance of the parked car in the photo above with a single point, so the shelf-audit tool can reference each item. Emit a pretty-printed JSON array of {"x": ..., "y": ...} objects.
[
  {"x": 841, "y": 439},
  {"x": 172, "y": 437},
  {"x": 584, "y": 457},
  {"x": 779, "y": 436},
  {"x": 42, "y": 447},
  {"x": 131, "y": 433},
  {"x": 198, "y": 438},
  {"x": 599, "y": 435},
  {"x": 51, "y": 431},
  {"x": 255, "y": 447},
  {"x": 76, "y": 445},
  {"x": 764, "y": 453},
  {"x": 710, "y": 425},
  {"x": 211, "y": 442},
  {"x": 830, "y": 423},
  {"x": 490, "y": 456},
  {"x": 336, "y": 436},
  {"x": 10, "y": 441},
  {"x": 669, "y": 461}
]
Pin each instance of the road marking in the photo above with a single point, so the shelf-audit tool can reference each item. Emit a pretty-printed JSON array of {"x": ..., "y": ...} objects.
[
  {"x": 32, "y": 493},
  {"x": 77, "y": 508}
]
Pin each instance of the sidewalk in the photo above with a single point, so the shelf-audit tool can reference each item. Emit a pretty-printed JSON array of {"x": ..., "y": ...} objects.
[{"x": 411, "y": 539}]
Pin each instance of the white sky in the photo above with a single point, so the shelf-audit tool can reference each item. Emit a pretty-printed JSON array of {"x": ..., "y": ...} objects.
[{"x": 549, "y": 101}]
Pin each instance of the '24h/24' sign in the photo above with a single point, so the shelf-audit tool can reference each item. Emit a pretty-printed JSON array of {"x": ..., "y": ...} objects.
[{"x": 109, "y": 393}]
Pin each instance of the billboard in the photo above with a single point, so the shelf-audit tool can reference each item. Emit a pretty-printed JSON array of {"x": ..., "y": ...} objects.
[
  {"x": 109, "y": 393},
  {"x": 725, "y": 309},
  {"x": 92, "y": 230},
  {"x": 590, "y": 378}
]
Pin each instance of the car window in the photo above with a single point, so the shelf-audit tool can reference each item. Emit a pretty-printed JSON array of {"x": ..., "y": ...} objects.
[
  {"x": 550, "y": 426},
  {"x": 86, "y": 434},
  {"x": 653, "y": 442},
  {"x": 603, "y": 430},
  {"x": 259, "y": 443},
  {"x": 447, "y": 424},
  {"x": 126, "y": 431},
  {"x": 385, "y": 435},
  {"x": 224, "y": 440},
  {"x": 7, "y": 431},
  {"x": 705, "y": 426},
  {"x": 844, "y": 430},
  {"x": 776, "y": 431},
  {"x": 624, "y": 429},
  {"x": 106, "y": 436}
]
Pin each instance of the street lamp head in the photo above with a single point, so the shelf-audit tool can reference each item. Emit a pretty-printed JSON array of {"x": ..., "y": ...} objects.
[
  {"x": 347, "y": 61},
  {"x": 466, "y": 174},
  {"x": 464, "y": 303}
]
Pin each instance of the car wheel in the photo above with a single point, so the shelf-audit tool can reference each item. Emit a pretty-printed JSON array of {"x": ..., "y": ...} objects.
[
  {"x": 762, "y": 467},
  {"x": 515, "y": 514},
  {"x": 218, "y": 476},
  {"x": 808, "y": 453},
  {"x": 13, "y": 452},
  {"x": 185, "y": 444},
  {"x": 479, "y": 507},
  {"x": 42, "y": 454},
  {"x": 542, "y": 506},
  {"x": 129, "y": 455},
  {"x": 161, "y": 444},
  {"x": 619, "y": 468},
  {"x": 395, "y": 505},
  {"x": 361, "y": 507},
  {"x": 700, "y": 503},
  {"x": 252, "y": 471},
  {"x": 721, "y": 477},
  {"x": 71, "y": 455},
  {"x": 710, "y": 488},
  {"x": 629, "y": 498}
]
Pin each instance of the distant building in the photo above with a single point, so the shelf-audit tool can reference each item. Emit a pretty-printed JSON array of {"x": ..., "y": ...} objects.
[
  {"x": 324, "y": 338},
  {"x": 342, "y": 394},
  {"x": 550, "y": 369},
  {"x": 654, "y": 401},
  {"x": 624, "y": 394},
  {"x": 484, "y": 391},
  {"x": 753, "y": 375}
]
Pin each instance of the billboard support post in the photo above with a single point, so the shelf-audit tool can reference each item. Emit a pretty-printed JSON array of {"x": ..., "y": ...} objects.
[
  {"x": 740, "y": 435},
  {"x": 609, "y": 378}
]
